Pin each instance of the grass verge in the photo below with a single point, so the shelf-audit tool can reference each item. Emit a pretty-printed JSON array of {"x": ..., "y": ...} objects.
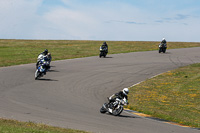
[
  {"x": 15, "y": 52},
  {"x": 173, "y": 96},
  {"x": 12, "y": 126}
]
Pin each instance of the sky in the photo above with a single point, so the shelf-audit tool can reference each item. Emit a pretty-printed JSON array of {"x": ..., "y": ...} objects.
[{"x": 111, "y": 20}]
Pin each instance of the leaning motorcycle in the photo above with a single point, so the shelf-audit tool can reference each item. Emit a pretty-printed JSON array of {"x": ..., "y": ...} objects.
[
  {"x": 103, "y": 52},
  {"x": 41, "y": 70},
  {"x": 41, "y": 57},
  {"x": 115, "y": 108},
  {"x": 162, "y": 47}
]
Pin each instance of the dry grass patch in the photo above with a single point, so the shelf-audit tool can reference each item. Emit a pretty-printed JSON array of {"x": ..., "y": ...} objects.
[{"x": 173, "y": 96}]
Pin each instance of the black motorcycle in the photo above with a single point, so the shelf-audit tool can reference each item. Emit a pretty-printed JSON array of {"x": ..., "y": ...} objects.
[
  {"x": 103, "y": 52},
  {"x": 162, "y": 47},
  {"x": 115, "y": 108}
]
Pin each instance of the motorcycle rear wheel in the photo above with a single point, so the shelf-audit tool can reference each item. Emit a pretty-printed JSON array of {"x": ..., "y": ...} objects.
[{"x": 117, "y": 112}]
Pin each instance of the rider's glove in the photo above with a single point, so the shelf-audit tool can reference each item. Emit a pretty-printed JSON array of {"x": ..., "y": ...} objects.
[{"x": 110, "y": 98}]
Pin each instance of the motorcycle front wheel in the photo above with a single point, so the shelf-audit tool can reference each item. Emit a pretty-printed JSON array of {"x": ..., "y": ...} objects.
[
  {"x": 103, "y": 109},
  {"x": 36, "y": 74}
]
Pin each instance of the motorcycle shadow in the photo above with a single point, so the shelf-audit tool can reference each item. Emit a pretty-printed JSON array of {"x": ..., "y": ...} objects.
[
  {"x": 47, "y": 80},
  {"x": 165, "y": 53},
  {"x": 107, "y": 57},
  {"x": 53, "y": 71},
  {"x": 127, "y": 116},
  {"x": 123, "y": 116}
]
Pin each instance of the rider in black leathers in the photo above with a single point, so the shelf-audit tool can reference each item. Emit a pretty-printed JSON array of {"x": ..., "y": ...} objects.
[
  {"x": 121, "y": 95},
  {"x": 105, "y": 45},
  {"x": 163, "y": 41}
]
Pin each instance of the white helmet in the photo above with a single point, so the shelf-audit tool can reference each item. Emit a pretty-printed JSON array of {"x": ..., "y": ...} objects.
[
  {"x": 163, "y": 39},
  {"x": 125, "y": 91}
]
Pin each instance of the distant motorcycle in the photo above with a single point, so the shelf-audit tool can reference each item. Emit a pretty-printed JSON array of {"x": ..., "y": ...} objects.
[
  {"x": 42, "y": 68},
  {"x": 162, "y": 47},
  {"x": 103, "y": 52},
  {"x": 115, "y": 108}
]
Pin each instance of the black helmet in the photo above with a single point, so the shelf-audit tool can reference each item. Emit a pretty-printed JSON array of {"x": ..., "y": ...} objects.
[
  {"x": 45, "y": 51},
  {"x": 105, "y": 44}
]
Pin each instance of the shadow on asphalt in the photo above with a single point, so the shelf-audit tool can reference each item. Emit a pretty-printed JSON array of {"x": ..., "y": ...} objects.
[
  {"x": 106, "y": 57},
  {"x": 123, "y": 116},
  {"x": 127, "y": 116},
  {"x": 165, "y": 53},
  {"x": 53, "y": 71},
  {"x": 47, "y": 80}
]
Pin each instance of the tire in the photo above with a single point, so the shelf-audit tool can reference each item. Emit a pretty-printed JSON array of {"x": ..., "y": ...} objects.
[
  {"x": 102, "y": 110},
  {"x": 164, "y": 50},
  {"x": 100, "y": 55},
  {"x": 37, "y": 64},
  {"x": 159, "y": 50},
  {"x": 36, "y": 74},
  {"x": 118, "y": 111},
  {"x": 104, "y": 54}
]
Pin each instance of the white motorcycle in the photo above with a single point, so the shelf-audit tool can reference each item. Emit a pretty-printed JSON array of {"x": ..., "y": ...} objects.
[
  {"x": 41, "y": 69},
  {"x": 115, "y": 108}
]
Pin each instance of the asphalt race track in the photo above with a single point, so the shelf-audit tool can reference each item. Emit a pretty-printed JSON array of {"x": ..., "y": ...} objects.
[{"x": 71, "y": 94}]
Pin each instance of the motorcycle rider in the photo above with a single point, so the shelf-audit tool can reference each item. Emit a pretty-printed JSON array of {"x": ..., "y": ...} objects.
[
  {"x": 49, "y": 57},
  {"x": 45, "y": 66},
  {"x": 163, "y": 41},
  {"x": 41, "y": 56},
  {"x": 105, "y": 46},
  {"x": 163, "y": 46},
  {"x": 121, "y": 95}
]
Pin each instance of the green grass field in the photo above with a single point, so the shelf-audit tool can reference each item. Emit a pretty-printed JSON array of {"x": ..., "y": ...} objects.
[
  {"x": 174, "y": 96},
  {"x": 12, "y": 126},
  {"x": 15, "y": 52}
]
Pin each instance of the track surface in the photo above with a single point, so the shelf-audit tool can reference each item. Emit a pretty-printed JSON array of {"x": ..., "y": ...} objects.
[{"x": 71, "y": 94}]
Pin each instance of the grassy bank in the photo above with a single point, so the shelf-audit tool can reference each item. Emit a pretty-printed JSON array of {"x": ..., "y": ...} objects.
[
  {"x": 15, "y": 52},
  {"x": 173, "y": 96},
  {"x": 12, "y": 126}
]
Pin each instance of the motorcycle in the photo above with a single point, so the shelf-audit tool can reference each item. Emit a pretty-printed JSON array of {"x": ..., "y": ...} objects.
[
  {"x": 103, "y": 52},
  {"x": 162, "y": 47},
  {"x": 115, "y": 108},
  {"x": 43, "y": 67},
  {"x": 41, "y": 56}
]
